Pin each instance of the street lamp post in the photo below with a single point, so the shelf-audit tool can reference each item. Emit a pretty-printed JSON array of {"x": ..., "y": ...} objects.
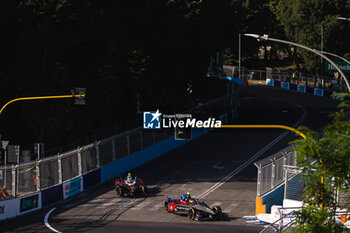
[{"x": 265, "y": 37}]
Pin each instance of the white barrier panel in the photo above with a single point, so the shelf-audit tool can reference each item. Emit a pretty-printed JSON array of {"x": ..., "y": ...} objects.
[
  {"x": 8, "y": 208},
  {"x": 270, "y": 82},
  {"x": 72, "y": 187},
  {"x": 289, "y": 203}
]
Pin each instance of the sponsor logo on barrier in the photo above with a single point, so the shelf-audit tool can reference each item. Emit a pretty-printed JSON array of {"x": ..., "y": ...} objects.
[
  {"x": 269, "y": 82},
  {"x": 72, "y": 187},
  {"x": 152, "y": 120},
  {"x": 2, "y": 209},
  {"x": 318, "y": 92},
  {"x": 29, "y": 203},
  {"x": 285, "y": 85},
  {"x": 301, "y": 89}
]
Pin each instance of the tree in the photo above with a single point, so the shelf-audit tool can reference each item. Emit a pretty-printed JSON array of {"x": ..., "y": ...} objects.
[
  {"x": 325, "y": 164},
  {"x": 302, "y": 21}
]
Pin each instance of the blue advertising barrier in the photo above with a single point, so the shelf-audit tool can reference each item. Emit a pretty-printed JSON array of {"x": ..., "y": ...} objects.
[
  {"x": 270, "y": 82},
  {"x": 300, "y": 88},
  {"x": 72, "y": 187},
  {"x": 92, "y": 178},
  {"x": 274, "y": 197},
  {"x": 51, "y": 195},
  {"x": 126, "y": 164},
  {"x": 285, "y": 85}
]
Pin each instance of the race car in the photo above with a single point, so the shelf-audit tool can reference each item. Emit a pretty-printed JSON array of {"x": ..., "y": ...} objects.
[
  {"x": 193, "y": 208},
  {"x": 130, "y": 187}
]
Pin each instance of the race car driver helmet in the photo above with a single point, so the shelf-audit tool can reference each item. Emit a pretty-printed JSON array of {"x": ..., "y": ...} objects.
[
  {"x": 185, "y": 197},
  {"x": 129, "y": 178}
]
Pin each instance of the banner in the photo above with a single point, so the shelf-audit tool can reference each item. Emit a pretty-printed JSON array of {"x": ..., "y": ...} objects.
[
  {"x": 72, "y": 187},
  {"x": 343, "y": 66},
  {"x": 51, "y": 195},
  {"x": 92, "y": 178},
  {"x": 29, "y": 203}
]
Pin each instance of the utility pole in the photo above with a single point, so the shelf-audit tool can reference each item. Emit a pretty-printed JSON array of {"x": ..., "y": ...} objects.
[
  {"x": 239, "y": 55},
  {"x": 321, "y": 50}
]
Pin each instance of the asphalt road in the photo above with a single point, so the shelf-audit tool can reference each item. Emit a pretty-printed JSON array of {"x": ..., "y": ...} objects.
[{"x": 197, "y": 167}]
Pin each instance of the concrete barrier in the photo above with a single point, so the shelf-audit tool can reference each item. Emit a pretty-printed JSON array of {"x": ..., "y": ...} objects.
[{"x": 300, "y": 88}]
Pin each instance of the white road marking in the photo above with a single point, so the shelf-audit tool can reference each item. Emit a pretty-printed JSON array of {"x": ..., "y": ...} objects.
[
  {"x": 108, "y": 204},
  {"x": 98, "y": 200},
  {"x": 46, "y": 221},
  {"x": 230, "y": 208},
  {"x": 249, "y": 216},
  {"x": 141, "y": 205},
  {"x": 249, "y": 161},
  {"x": 252, "y": 221},
  {"x": 157, "y": 207},
  {"x": 242, "y": 166},
  {"x": 217, "y": 166},
  {"x": 113, "y": 201}
]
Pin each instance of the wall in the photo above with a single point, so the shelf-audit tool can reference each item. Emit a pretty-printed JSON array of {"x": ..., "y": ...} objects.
[
  {"x": 26, "y": 204},
  {"x": 300, "y": 88}
]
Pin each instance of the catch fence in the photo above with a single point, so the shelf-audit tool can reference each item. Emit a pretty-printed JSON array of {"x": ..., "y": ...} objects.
[
  {"x": 271, "y": 171},
  {"x": 34, "y": 176},
  {"x": 291, "y": 76}
]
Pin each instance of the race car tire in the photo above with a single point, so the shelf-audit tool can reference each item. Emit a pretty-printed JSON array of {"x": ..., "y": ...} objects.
[
  {"x": 191, "y": 214},
  {"x": 119, "y": 191},
  {"x": 144, "y": 191},
  {"x": 217, "y": 209},
  {"x": 166, "y": 206}
]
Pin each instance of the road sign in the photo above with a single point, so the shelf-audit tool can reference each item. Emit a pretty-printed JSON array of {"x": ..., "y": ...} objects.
[
  {"x": 13, "y": 153},
  {"x": 343, "y": 66},
  {"x": 4, "y": 144}
]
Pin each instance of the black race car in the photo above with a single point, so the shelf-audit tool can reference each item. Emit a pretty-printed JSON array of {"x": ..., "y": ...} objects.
[{"x": 194, "y": 209}]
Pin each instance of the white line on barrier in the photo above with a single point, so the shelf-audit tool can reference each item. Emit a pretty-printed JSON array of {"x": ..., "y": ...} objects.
[
  {"x": 257, "y": 155},
  {"x": 46, "y": 221}
]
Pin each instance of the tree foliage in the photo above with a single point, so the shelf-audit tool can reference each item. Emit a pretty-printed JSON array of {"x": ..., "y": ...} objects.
[
  {"x": 130, "y": 55},
  {"x": 302, "y": 22},
  {"x": 325, "y": 166}
]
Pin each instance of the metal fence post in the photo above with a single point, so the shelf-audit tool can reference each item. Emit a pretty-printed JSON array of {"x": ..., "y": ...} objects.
[
  {"x": 285, "y": 183},
  {"x": 14, "y": 180},
  {"x": 273, "y": 173},
  {"x": 59, "y": 163},
  {"x": 153, "y": 138},
  {"x": 37, "y": 167},
  {"x": 259, "y": 181},
  {"x": 128, "y": 144},
  {"x": 114, "y": 151},
  {"x": 80, "y": 167},
  {"x": 284, "y": 164},
  {"x": 141, "y": 140},
  {"x": 97, "y": 144}
]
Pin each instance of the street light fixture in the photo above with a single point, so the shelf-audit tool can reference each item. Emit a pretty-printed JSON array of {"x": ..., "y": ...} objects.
[
  {"x": 266, "y": 37},
  {"x": 343, "y": 18},
  {"x": 334, "y": 55}
]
